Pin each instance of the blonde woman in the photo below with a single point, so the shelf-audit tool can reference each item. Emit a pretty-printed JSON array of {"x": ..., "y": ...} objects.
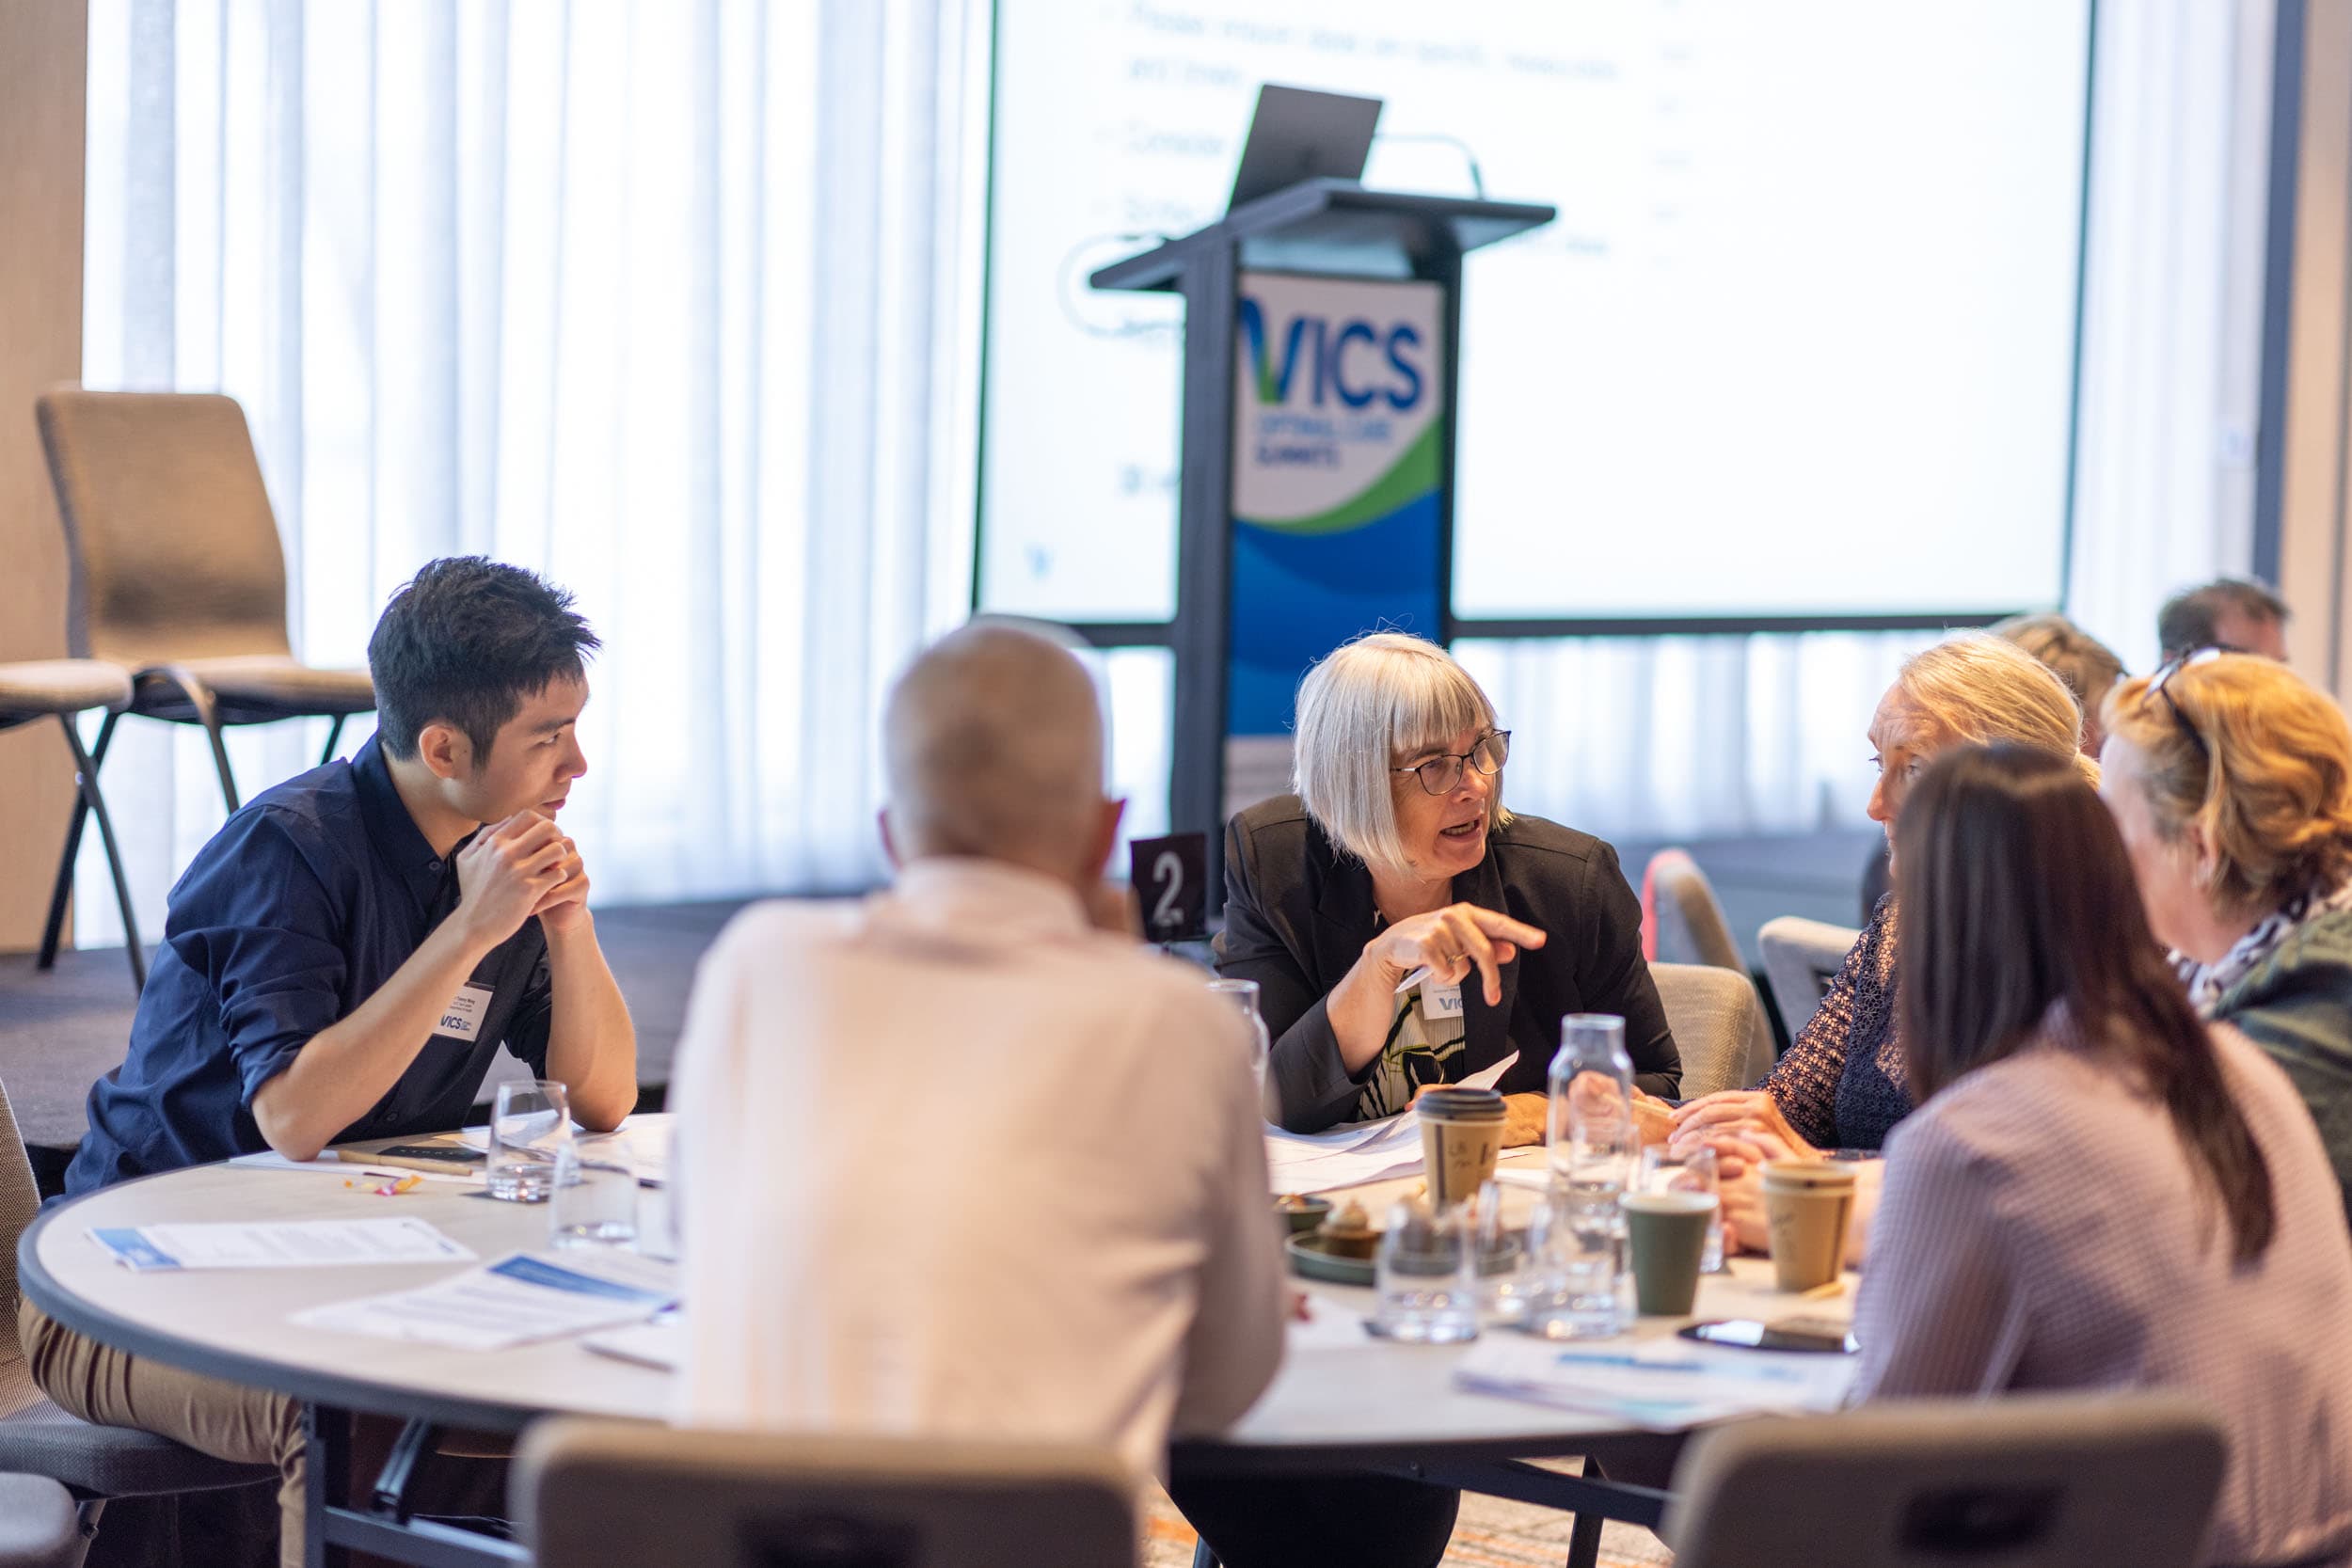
[
  {"x": 2230, "y": 780},
  {"x": 2088, "y": 666},
  {"x": 1396, "y": 855},
  {"x": 1844, "y": 1083}
]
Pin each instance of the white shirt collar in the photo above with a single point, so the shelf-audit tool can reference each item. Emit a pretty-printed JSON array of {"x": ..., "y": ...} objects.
[{"x": 991, "y": 902}]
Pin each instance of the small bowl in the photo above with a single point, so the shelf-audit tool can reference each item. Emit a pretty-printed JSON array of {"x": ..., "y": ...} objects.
[
  {"x": 1301, "y": 1214},
  {"x": 1310, "y": 1261}
]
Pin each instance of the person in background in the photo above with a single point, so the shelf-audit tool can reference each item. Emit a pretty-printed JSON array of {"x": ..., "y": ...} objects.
[
  {"x": 302, "y": 992},
  {"x": 2088, "y": 666},
  {"x": 2097, "y": 1190},
  {"x": 1395, "y": 855},
  {"x": 2231, "y": 779},
  {"x": 954, "y": 1162},
  {"x": 1844, "y": 1083},
  {"x": 2089, "y": 669},
  {"x": 2244, "y": 617}
]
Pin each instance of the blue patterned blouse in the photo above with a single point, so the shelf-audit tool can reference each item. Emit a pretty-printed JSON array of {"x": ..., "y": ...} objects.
[{"x": 1843, "y": 1083}]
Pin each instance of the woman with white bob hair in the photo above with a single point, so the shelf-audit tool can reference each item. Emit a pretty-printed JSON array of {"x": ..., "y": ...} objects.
[{"x": 1395, "y": 855}]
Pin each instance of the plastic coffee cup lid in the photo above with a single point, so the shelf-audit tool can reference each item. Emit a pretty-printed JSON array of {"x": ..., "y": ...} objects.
[{"x": 1462, "y": 1104}]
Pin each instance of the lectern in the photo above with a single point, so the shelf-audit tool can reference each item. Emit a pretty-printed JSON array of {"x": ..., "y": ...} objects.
[{"x": 1321, "y": 348}]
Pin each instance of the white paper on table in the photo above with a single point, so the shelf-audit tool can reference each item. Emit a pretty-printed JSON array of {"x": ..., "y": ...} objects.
[
  {"x": 660, "y": 1344},
  {"x": 1359, "y": 1152},
  {"x": 1487, "y": 1078},
  {"x": 1325, "y": 1327},
  {"x": 516, "y": 1300},
  {"x": 1659, "y": 1385},
  {"x": 272, "y": 1160},
  {"x": 291, "y": 1244}
]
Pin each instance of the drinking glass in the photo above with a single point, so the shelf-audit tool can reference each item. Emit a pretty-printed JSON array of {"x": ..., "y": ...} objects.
[
  {"x": 530, "y": 1128},
  {"x": 1663, "y": 1171},
  {"x": 595, "y": 1201},
  {"x": 1243, "y": 994},
  {"x": 1507, "y": 1278},
  {"x": 1426, "y": 1276},
  {"x": 1576, "y": 1246}
]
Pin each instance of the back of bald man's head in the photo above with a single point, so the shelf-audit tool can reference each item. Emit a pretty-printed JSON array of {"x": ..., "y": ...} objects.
[{"x": 992, "y": 747}]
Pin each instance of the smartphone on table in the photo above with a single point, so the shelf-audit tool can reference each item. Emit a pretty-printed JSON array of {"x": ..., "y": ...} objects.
[{"x": 1818, "y": 1335}]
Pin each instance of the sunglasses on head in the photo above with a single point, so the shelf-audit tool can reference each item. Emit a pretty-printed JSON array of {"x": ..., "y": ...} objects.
[{"x": 2163, "y": 678}]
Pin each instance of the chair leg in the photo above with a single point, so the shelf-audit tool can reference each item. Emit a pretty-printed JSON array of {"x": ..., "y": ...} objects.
[
  {"x": 211, "y": 719},
  {"x": 206, "y": 714},
  {"x": 88, "y": 1516},
  {"x": 54, "y": 931},
  {"x": 85, "y": 773},
  {"x": 334, "y": 733}
]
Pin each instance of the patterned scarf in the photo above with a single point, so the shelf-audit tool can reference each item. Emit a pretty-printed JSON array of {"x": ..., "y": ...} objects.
[{"x": 2209, "y": 983}]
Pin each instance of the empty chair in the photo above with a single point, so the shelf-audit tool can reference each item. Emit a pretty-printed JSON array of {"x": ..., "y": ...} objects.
[
  {"x": 1713, "y": 1013},
  {"x": 1801, "y": 957},
  {"x": 178, "y": 576},
  {"x": 2070, "y": 1480},
  {"x": 1689, "y": 929},
  {"x": 37, "y": 1526},
  {"x": 588, "y": 1494},
  {"x": 64, "y": 689},
  {"x": 95, "y": 1462}
]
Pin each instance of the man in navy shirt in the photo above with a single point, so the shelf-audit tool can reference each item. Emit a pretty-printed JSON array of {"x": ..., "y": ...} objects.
[{"x": 345, "y": 956}]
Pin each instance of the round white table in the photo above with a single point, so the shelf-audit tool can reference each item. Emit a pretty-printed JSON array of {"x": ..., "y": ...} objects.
[{"x": 1365, "y": 1404}]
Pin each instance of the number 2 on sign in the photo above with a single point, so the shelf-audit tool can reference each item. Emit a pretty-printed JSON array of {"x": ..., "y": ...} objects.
[
  {"x": 1170, "y": 877},
  {"x": 1167, "y": 875}
]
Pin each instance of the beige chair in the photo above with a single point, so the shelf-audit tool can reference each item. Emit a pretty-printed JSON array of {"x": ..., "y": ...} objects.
[
  {"x": 591, "y": 1494},
  {"x": 2068, "y": 1480},
  {"x": 178, "y": 575},
  {"x": 1801, "y": 957},
  {"x": 36, "y": 1438},
  {"x": 1691, "y": 929},
  {"x": 1713, "y": 1014},
  {"x": 63, "y": 690}
]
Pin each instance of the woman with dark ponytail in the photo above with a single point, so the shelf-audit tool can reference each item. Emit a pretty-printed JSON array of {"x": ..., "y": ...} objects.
[{"x": 2098, "y": 1190}]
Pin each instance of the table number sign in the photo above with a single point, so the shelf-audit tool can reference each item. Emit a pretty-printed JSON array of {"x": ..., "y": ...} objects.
[{"x": 1170, "y": 877}]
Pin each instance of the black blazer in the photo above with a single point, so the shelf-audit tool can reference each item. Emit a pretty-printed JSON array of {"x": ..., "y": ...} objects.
[{"x": 1298, "y": 912}]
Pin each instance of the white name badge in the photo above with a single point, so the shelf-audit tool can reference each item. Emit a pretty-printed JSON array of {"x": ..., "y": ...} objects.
[
  {"x": 462, "y": 1017},
  {"x": 1439, "y": 1001}
]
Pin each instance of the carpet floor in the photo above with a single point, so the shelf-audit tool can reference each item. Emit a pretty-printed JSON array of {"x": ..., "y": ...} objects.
[{"x": 1491, "y": 1532}]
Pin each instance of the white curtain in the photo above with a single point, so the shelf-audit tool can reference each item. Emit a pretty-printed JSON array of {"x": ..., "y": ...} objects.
[
  {"x": 677, "y": 301},
  {"x": 2171, "y": 310},
  {"x": 1683, "y": 738},
  {"x": 671, "y": 300}
]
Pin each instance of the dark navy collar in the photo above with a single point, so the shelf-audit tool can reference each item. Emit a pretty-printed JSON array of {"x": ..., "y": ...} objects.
[{"x": 397, "y": 840}]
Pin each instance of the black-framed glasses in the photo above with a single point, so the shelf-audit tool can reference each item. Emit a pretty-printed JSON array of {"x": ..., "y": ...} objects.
[
  {"x": 2163, "y": 678},
  {"x": 1439, "y": 774}
]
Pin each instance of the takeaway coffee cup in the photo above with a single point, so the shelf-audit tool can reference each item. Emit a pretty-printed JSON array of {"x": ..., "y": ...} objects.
[
  {"x": 1666, "y": 1233},
  {"x": 1806, "y": 1205},
  {"x": 1461, "y": 1133}
]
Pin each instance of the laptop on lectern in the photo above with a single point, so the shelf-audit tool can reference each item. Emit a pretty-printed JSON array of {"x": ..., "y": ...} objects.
[{"x": 1297, "y": 134}]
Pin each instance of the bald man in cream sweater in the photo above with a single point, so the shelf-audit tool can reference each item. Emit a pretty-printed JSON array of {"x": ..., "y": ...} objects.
[{"x": 954, "y": 1161}]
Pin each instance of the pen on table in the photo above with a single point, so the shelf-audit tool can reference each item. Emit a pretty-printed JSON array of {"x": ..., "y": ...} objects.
[{"x": 1604, "y": 1358}]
